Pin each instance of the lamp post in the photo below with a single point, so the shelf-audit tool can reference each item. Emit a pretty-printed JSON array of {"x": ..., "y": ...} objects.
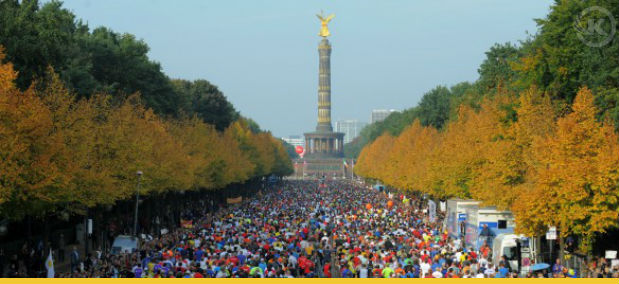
[{"x": 137, "y": 202}]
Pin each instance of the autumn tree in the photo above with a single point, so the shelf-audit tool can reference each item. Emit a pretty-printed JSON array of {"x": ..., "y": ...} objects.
[
  {"x": 459, "y": 157},
  {"x": 31, "y": 174},
  {"x": 409, "y": 157},
  {"x": 507, "y": 156},
  {"x": 577, "y": 175},
  {"x": 373, "y": 160},
  {"x": 60, "y": 153}
]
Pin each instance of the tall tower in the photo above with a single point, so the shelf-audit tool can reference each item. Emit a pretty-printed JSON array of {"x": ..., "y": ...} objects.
[
  {"x": 324, "y": 143},
  {"x": 324, "y": 87}
]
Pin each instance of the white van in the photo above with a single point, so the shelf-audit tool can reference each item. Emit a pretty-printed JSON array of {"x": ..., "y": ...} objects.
[{"x": 515, "y": 248}]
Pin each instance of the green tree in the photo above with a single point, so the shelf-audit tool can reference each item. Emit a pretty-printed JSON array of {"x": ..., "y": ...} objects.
[
  {"x": 496, "y": 69},
  {"x": 290, "y": 149},
  {"x": 35, "y": 38},
  {"x": 558, "y": 61},
  {"x": 204, "y": 99},
  {"x": 434, "y": 107},
  {"x": 121, "y": 66}
]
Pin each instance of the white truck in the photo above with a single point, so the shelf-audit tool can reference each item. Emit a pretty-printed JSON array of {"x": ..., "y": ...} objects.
[
  {"x": 466, "y": 219},
  {"x": 482, "y": 224},
  {"x": 456, "y": 216},
  {"x": 520, "y": 251}
]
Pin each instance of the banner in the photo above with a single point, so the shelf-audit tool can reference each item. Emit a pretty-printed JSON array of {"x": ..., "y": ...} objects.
[
  {"x": 187, "y": 224},
  {"x": 235, "y": 200},
  {"x": 432, "y": 210},
  {"x": 49, "y": 265}
]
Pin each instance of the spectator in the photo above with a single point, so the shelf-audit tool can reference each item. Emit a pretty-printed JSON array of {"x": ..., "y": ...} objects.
[{"x": 75, "y": 259}]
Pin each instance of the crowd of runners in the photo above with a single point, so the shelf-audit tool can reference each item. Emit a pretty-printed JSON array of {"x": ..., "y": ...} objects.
[{"x": 311, "y": 229}]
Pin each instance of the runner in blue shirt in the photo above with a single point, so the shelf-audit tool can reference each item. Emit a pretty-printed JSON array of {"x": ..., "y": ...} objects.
[
  {"x": 502, "y": 271},
  {"x": 137, "y": 271}
]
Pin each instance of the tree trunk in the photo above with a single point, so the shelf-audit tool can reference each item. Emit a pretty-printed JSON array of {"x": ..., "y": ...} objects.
[
  {"x": 29, "y": 228},
  {"x": 46, "y": 229},
  {"x": 86, "y": 238},
  {"x": 561, "y": 253}
]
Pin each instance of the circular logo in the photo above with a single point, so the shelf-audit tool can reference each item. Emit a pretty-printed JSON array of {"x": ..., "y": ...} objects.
[
  {"x": 299, "y": 149},
  {"x": 596, "y": 26}
]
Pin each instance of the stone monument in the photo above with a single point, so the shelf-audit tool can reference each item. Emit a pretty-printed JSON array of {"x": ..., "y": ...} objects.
[
  {"x": 324, "y": 148},
  {"x": 324, "y": 143}
]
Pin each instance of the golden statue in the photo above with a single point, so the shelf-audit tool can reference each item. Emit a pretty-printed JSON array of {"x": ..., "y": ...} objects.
[{"x": 324, "y": 31}]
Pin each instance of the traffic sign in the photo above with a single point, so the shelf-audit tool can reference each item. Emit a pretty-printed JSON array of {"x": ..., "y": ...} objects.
[{"x": 552, "y": 233}]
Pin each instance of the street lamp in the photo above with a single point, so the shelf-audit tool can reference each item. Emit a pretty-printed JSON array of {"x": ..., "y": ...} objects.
[{"x": 137, "y": 201}]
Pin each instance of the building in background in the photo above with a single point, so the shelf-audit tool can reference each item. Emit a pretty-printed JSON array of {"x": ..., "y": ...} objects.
[
  {"x": 380, "y": 114},
  {"x": 350, "y": 128},
  {"x": 294, "y": 140}
]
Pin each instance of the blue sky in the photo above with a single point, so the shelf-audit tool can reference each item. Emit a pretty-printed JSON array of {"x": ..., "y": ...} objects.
[{"x": 263, "y": 54}]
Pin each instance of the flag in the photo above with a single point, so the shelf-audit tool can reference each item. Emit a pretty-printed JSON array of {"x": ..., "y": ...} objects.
[
  {"x": 49, "y": 265},
  {"x": 235, "y": 200},
  {"x": 345, "y": 164},
  {"x": 187, "y": 224}
]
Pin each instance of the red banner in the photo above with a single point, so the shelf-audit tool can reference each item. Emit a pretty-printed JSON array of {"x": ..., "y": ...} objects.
[{"x": 187, "y": 224}]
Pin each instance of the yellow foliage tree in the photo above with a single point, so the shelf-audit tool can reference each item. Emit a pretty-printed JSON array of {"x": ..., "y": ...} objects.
[
  {"x": 458, "y": 160},
  {"x": 373, "y": 158},
  {"x": 576, "y": 179},
  {"x": 410, "y": 156},
  {"x": 30, "y": 149},
  {"x": 239, "y": 167},
  {"x": 503, "y": 175},
  {"x": 60, "y": 153}
]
